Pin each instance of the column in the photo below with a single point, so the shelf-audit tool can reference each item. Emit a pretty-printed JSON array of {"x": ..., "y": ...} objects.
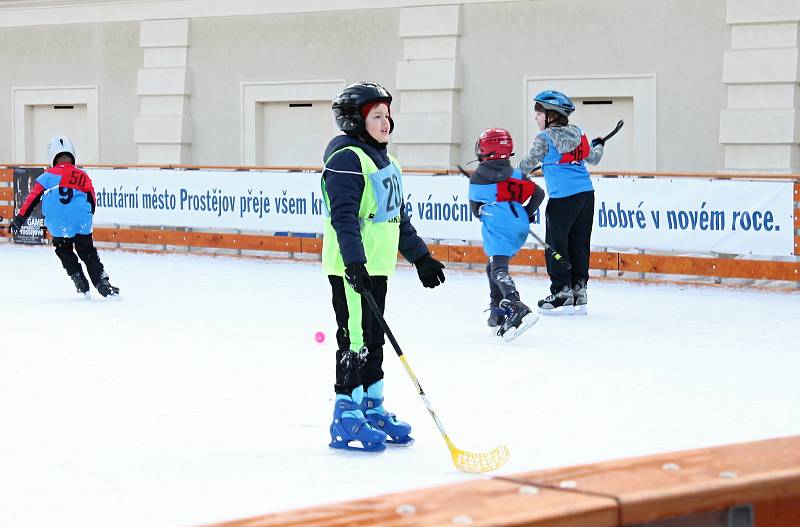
[
  {"x": 163, "y": 129},
  {"x": 759, "y": 128},
  {"x": 428, "y": 130}
]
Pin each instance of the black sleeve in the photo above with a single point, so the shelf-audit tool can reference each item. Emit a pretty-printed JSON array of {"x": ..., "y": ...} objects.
[
  {"x": 535, "y": 201},
  {"x": 411, "y": 246},
  {"x": 475, "y": 206},
  {"x": 344, "y": 183},
  {"x": 90, "y": 199}
]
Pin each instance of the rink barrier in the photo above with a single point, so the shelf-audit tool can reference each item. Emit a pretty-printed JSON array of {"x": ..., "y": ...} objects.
[
  {"x": 755, "y": 484},
  {"x": 611, "y": 262},
  {"x": 6, "y": 198},
  {"x": 211, "y": 240},
  {"x": 467, "y": 254},
  {"x": 462, "y": 254},
  {"x": 797, "y": 219}
]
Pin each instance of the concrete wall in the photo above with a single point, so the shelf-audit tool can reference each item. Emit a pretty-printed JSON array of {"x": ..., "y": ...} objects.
[
  {"x": 496, "y": 48},
  {"x": 104, "y": 55},
  {"x": 350, "y": 45},
  {"x": 681, "y": 41}
]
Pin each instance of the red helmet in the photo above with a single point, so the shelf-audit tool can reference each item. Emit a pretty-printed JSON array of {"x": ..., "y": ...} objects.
[{"x": 494, "y": 143}]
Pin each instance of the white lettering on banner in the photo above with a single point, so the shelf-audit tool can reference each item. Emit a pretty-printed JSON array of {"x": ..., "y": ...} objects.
[{"x": 682, "y": 215}]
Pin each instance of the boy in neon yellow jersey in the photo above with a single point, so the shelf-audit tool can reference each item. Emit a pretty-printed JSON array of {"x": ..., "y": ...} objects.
[{"x": 365, "y": 225}]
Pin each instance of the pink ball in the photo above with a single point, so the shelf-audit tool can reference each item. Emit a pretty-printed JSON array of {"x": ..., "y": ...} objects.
[{"x": 319, "y": 336}]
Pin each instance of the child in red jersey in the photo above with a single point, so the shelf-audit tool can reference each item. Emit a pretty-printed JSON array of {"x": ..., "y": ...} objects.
[{"x": 68, "y": 204}]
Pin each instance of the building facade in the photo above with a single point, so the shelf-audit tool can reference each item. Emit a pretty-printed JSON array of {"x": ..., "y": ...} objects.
[{"x": 705, "y": 85}]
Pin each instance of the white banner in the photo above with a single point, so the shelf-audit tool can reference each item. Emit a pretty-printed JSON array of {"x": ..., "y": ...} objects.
[
  {"x": 683, "y": 215},
  {"x": 207, "y": 199},
  {"x": 694, "y": 215},
  {"x": 271, "y": 201}
]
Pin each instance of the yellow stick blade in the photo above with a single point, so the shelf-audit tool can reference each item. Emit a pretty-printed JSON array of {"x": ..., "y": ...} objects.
[{"x": 479, "y": 462}]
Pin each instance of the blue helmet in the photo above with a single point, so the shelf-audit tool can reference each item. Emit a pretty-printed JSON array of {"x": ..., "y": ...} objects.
[{"x": 556, "y": 101}]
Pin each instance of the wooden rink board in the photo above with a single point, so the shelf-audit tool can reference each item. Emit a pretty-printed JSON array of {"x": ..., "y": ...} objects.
[
  {"x": 727, "y": 268},
  {"x": 797, "y": 220},
  {"x": 469, "y": 254},
  {"x": 6, "y": 195},
  {"x": 199, "y": 239},
  {"x": 465, "y": 254},
  {"x": 765, "y": 474},
  {"x": 668, "y": 485},
  {"x": 477, "y": 503}
]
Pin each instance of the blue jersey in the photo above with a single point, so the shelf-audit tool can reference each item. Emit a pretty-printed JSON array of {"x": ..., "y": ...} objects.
[
  {"x": 504, "y": 220},
  {"x": 68, "y": 200},
  {"x": 566, "y": 174}
]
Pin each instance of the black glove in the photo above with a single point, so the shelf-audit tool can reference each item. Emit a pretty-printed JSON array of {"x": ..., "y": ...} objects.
[
  {"x": 358, "y": 277},
  {"x": 598, "y": 141},
  {"x": 430, "y": 271},
  {"x": 16, "y": 224}
]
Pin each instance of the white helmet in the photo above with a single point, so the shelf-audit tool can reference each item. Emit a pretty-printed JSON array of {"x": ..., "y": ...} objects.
[{"x": 60, "y": 144}]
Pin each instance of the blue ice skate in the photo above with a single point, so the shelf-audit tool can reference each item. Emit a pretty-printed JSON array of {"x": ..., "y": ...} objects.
[
  {"x": 349, "y": 425},
  {"x": 379, "y": 418}
]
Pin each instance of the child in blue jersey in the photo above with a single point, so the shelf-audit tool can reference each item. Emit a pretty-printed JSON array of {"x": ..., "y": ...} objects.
[
  {"x": 68, "y": 204},
  {"x": 505, "y": 201},
  {"x": 563, "y": 151}
]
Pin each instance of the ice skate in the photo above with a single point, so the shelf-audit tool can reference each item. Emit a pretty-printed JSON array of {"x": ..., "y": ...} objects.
[
  {"x": 561, "y": 303},
  {"x": 581, "y": 297},
  {"x": 350, "y": 430},
  {"x": 497, "y": 315},
  {"x": 519, "y": 319},
  {"x": 372, "y": 405},
  {"x": 81, "y": 283},
  {"x": 104, "y": 287}
]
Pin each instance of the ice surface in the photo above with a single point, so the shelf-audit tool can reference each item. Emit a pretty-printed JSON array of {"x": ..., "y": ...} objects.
[{"x": 203, "y": 396}]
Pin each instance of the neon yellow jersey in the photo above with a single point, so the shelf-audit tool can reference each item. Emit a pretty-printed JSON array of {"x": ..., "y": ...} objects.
[{"x": 378, "y": 215}]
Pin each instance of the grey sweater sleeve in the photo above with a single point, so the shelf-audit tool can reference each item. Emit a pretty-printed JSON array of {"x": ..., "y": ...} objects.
[
  {"x": 595, "y": 155},
  {"x": 535, "y": 155}
]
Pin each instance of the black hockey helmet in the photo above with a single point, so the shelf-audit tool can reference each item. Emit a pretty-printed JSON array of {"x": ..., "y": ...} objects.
[{"x": 348, "y": 105}]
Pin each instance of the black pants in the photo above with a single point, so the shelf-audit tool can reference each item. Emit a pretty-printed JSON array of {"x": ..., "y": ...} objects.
[
  {"x": 501, "y": 285},
  {"x": 569, "y": 232},
  {"x": 359, "y": 336},
  {"x": 84, "y": 246}
]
